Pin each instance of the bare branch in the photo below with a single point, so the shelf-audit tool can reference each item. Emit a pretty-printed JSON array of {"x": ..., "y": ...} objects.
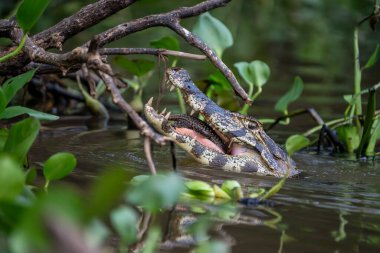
[
  {"x": 164, "y": 19},
  {"x": 148, "y": 155},
  {"x": 171, "y": 20},
  {"x": 198, "y": 43},
  {"x": 5, "y": 26},
  {"x": 151, "y": 51},
  {"x": 86, "y": 17},
  {"x": 117, "y": 99}
]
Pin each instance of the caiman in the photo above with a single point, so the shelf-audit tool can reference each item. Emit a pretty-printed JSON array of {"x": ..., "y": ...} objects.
[{"x": 224, "y": 139}]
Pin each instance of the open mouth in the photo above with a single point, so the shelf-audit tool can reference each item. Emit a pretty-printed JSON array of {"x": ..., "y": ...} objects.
[{"x": 183, "y": 125}]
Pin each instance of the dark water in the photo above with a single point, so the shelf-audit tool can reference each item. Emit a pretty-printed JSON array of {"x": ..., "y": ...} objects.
[{"x": 335, "y": 207}]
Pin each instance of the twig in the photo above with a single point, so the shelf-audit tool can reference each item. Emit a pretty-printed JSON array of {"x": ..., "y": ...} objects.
[
  {"x": 90, "y": 81},
  {"x": 148, "y": 155},
  {"x": 117, "y": 99},
  {"x": 151, "y": 51}
]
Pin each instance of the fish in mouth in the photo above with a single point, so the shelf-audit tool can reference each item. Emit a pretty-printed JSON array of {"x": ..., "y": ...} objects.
[{"x": 224, "y": 139}]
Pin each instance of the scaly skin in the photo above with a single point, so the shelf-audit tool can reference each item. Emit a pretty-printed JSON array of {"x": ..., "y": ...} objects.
[{"x": 261, "y": 154}]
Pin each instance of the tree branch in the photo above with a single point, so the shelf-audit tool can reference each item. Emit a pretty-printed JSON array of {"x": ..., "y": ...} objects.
[
  {"x": 171, "y": 19},
  {"x": 218, "y": 63},
  {"x": 151, "y": 51},
  {"x": 86, "y": 17},
  {"x": 163, "y": 19},
  {"x": 118, "y": 100}
]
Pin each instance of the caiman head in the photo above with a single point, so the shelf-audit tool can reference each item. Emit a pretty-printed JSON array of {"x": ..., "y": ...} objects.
[{"x": 224, "y": 139}]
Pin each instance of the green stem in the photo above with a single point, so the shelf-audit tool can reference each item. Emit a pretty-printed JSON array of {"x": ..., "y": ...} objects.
[
  {"x": 252, "y": 97},
  {"x": 181, "y": 102},
  {"x": 46, "y": 185},
  {"x": 357, "y": 78},
  {"x": 287, "y": 120},
  {"x": 16, "y": 51},
  {"x": 334, "y": 123}
]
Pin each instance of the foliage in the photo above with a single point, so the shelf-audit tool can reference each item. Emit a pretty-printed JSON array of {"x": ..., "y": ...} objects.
[
  {"x": 357, "y": 136},
  {"x": 292, "y": 95},
  {"x": 27, "y": 15},
  {"x": 59, "y": 166},
  {"x": 296, "y": 142},
  {"x": 29, "y": 12},
  {"x": 214, "y": 33},
  {"x": 8, "y": 91}
]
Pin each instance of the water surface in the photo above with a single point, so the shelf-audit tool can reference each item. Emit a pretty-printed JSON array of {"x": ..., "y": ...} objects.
[{"x": 334, "y": 207}]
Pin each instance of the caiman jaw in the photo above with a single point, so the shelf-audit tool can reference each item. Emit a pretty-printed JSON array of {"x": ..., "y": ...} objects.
[
  {"x": 246, "y": 147},
  {"x": 202, "y": 149}
]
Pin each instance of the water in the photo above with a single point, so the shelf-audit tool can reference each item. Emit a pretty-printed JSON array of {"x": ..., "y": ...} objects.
[{"x": 334, "y": 207}]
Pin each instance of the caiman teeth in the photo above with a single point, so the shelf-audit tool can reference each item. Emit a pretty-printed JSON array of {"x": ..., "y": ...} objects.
[
  {"x": 163, "y": 111},
  {"x": 167, "y": 116},
  {"x": 150, "y": 101},
  {"x": 192, "y": 112},
  {"x": 171, "y": 88}
]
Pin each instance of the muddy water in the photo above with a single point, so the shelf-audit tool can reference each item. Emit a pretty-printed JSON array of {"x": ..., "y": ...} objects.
[{"x": 334, "y": 207}]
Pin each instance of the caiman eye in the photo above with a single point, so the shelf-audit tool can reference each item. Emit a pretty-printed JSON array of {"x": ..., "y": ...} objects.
[{"x": 252, "y": 125}]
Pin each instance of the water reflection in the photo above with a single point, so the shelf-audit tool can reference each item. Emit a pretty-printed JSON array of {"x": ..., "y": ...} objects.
[{"x": 335, "y": 207}]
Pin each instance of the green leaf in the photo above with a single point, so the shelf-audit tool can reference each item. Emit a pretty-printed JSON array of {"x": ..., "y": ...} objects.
[
  {"x": 13, "y": 85},
  {"x": 63, "y": 206},
  {"x": 348, "y": 134},
  {"x": 151, "y": 242},
  {"x": 96, "y": 108},
  {"x": 213, "y": 246},
  {"x": 139, "y": 179},
  {"x": 272, "y": 191},
  {"x": 295, "y": 143},
  {"x": 349, "y": 99},
  {"x": 198, "y": 229},
  {"x": 59, "y": 165},
  {"x": 29, "y": 12},
  {"x": 3, "y": 137},
  {"x": 375, "y": 135},
  {"x": 219, "y": 193},
  {"x": 12, "y": 178},
  {"x": 138, "y": 67},
  {"x": 3, "y": 100},
  {"x": 21, "y": 137},
  {"x": 168, "y": 42},
  {"x": 157, "y": 192},
  {"x": 368, "y": 122},
  {"x": 374, "y": 58},
  {"x": 30, "y": 176},
  {"x": 199, "y": 189},
  {"x": 213, "y": 32},
  {"x": 233, "y": 189},
  {"x": 14, "y": 111},
  {"x": 96, "y": 233},
  {"x": 124, "y": 220},
  {"x": 292, "y": 95},
  {"x": 255, "y": 73},
  {"x": 107, "y": 191},
  {"x": 218, "y": 79}
]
